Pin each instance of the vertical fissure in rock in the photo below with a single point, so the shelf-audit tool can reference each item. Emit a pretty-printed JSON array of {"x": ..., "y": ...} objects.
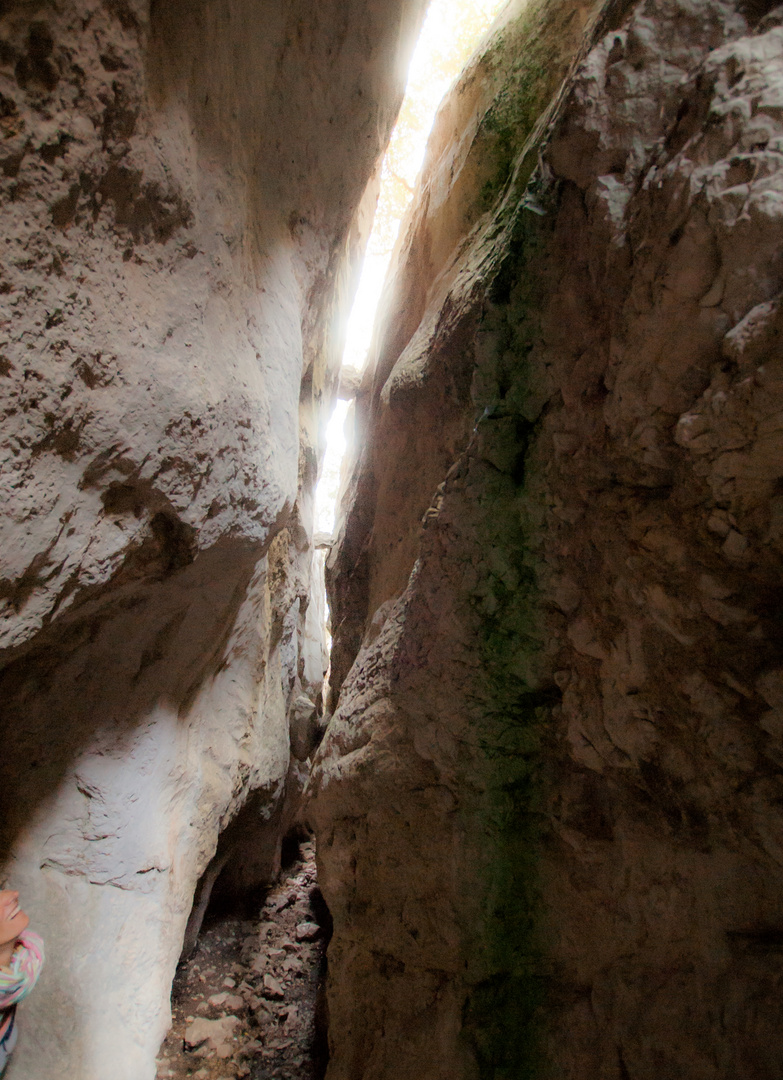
[
  {"x": 249, "y": 1000},
  {"x": 545, "y": 778}
]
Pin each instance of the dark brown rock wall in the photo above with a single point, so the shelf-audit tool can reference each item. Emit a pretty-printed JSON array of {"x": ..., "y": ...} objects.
[{"x": 548, "y": 806}]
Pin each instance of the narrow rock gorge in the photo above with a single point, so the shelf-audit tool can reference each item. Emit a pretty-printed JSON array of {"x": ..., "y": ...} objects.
[{"x": 548, "y": 803}]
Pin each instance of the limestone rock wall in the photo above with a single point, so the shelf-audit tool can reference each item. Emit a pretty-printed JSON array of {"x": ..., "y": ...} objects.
[
  {"x": 402, "y": 455},
  {"x": 181, "y": 186},
  {"x": 548, "y": 805}
]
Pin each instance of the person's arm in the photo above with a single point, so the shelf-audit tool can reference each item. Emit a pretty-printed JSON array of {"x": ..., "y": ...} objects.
[{"x": 21, "y": 975}]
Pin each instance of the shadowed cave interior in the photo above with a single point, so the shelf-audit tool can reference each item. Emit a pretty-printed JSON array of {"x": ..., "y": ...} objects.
[{"x": 519, "y": 814}]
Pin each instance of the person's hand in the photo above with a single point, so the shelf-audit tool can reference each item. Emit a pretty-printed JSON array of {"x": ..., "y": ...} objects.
[{"x": 12, "y": 922}]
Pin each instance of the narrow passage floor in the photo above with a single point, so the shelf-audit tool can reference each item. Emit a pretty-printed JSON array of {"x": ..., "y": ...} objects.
[{"x": 247, "y": 1004}]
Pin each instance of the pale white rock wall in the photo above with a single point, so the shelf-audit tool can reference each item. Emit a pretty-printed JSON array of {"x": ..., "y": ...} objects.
[{"x": 181, "y": 188}]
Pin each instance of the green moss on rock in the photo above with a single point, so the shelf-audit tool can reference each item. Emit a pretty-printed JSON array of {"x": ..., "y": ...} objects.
[
  {"x": 515, "y": 693},
  {"x": 532, "y": 53}
]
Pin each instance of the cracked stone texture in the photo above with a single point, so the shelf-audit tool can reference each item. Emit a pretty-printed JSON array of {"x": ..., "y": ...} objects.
[
  {"x": 549, "y": 802},
  {"x": 182, "y": 189}
]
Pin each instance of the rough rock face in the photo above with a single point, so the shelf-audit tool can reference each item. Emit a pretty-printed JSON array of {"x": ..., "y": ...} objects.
[
  {"x": 469, "y": 158},
  {"x": 181, "y": 187},
  {"x": 549, "y": 803}
]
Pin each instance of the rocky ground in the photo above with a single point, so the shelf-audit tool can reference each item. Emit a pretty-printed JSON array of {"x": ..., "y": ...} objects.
[{"x": 247, "y": 1004}]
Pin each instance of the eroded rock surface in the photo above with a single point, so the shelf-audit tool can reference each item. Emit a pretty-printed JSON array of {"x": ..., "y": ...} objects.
[
  {"x": 402, "y": 454},
  {"x": 181, "y": 189},
  {"x": 549, "y": 802}
]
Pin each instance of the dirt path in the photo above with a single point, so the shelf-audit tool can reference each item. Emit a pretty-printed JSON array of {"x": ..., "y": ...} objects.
[{"x": 245, "y": 1005}]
